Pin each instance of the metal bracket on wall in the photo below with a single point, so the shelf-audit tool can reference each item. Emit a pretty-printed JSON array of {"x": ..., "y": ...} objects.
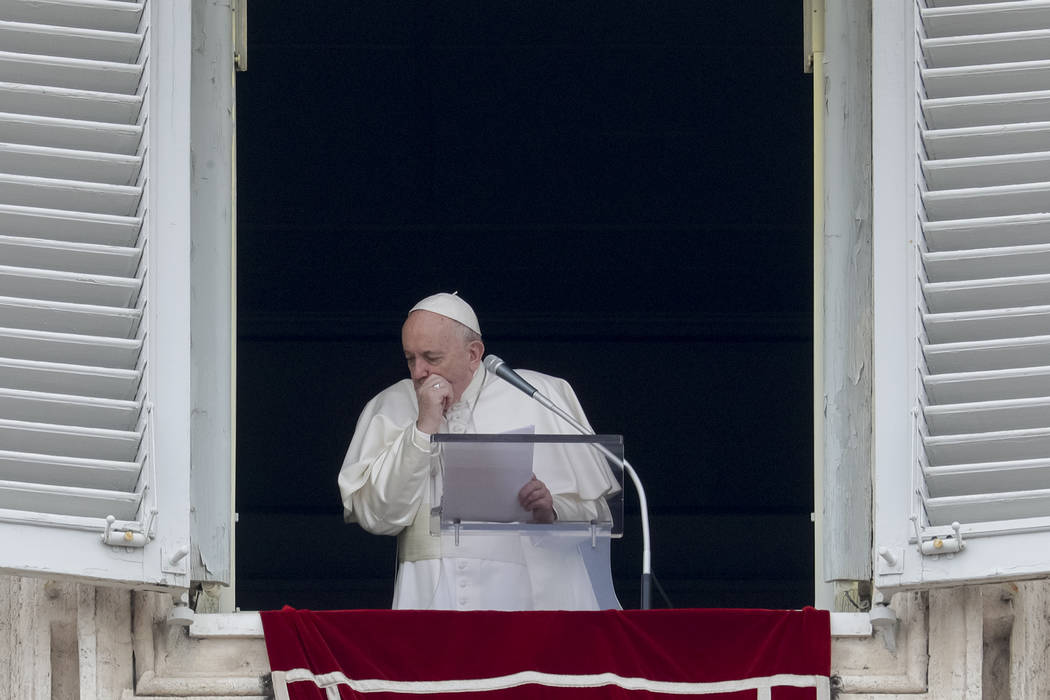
[{"x": 890, "y": 561}]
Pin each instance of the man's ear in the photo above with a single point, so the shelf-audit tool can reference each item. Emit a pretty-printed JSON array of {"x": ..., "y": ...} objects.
[{"x": 475, "y": 351}]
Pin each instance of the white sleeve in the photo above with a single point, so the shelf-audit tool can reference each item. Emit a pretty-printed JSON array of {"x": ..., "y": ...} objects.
[
  {"x": 384, "y": 475},
  {"x": 572, "y": 508}
]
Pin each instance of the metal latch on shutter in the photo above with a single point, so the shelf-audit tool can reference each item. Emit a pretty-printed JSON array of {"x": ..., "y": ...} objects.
[
  {"x": 933, "y": 546},
  {"x": 132, "y": 537},
  {"x": 127, "y": 537}
]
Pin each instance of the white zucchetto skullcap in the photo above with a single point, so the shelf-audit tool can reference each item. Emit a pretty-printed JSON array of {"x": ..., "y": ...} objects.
[{"x": 450, "y": 306}]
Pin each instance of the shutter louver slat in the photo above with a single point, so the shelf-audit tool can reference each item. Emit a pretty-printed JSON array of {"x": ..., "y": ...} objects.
[
  {"x": 957, "y": 3},
  {"x": 87, "y": 258},
  {"x": 66, "y": 440},
  {"x": 985, "y": 232},
  {"x": 62, "y": 317},
  {"x": 997, "y": 293},
  {"x": 961, "y": 173},
  {"x": 973, "y": 80},
  {"x": 972, "y": 356},
  {"x": 67, "y": 409},
  {"x": 69, "y": 348},
  {"x": 969, "y": 141},
  {"x": 83, "y": 227},
  {"x": 957, "y": 265},
  {"x": 986, "y": 416},
  {"x": 980, "y": 110},
  {"x": 985, "y": 280},
  {"x": 72, "y": 419},
  {"x": 69, "y": 194},
  {"x": 1000, "y": 200},
  {"x": 79, "y": 134},
  {"x": 58, "y": 163},
  {"x": 995, "y": 446},
  {"x": 986, "y": 18},
  {"x": 68, "y": 500},
  {"x": 992, "y": 477},
  {"x": 88, "y": 44},
  {"x": 81, "y": 380},
  {"x": 987, "y": 325},
  {"x": 57, "y": 71},
  {"x": 108, "y": 475},
  {"x": 68, "y": 103},
  {"x": 1009, "y": 47},
  {"x": 989, "y": 385},
  {"x": 990, "y": 507},
  {"x": 106, "y": 15},
  {"x": 52, "y": 285}
]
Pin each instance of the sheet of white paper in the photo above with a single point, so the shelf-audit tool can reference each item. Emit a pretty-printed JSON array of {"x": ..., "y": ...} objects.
[{"x": 482, "y": 480}]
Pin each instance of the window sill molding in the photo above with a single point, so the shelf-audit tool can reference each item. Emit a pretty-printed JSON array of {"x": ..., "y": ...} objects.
[{"x": 248, "y": 625}]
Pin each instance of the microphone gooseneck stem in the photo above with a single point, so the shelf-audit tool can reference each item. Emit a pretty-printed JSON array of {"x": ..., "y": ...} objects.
[{"x": 643, "y": 504}]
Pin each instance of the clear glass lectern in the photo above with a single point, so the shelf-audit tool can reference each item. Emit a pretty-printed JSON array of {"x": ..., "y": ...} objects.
[{"x": 474, "y": 485}]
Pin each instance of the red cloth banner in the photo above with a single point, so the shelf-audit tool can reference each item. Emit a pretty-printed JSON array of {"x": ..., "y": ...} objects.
[{"x": 486, "y": 655}]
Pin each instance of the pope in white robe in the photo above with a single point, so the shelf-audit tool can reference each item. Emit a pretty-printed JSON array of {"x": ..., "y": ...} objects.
[{"x": 384, "y": 480}]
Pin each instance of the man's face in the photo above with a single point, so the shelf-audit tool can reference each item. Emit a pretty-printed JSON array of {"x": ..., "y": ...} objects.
[{"x": 434, "y": 344}]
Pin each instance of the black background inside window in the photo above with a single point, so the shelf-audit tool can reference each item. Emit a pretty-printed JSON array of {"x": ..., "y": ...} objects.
[{"x": 622, "y": 191}]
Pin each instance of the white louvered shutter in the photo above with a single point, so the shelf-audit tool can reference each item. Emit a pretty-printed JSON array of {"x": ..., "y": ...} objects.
[
  {"x": 93, "y": 271},
  {"x": 971, "y": 461}
]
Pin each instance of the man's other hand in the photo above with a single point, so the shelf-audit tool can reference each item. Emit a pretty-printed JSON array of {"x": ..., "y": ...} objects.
[{"x": 535, "y": 496}]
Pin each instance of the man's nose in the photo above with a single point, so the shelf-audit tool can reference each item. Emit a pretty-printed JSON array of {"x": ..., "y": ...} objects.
[{"x": 419, "y": 369}]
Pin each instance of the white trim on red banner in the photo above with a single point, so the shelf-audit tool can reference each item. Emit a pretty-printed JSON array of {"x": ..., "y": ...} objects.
[{"x": 330, "y": 681}]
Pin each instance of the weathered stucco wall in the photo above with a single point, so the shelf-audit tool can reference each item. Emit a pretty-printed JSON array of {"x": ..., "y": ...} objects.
[
  {"x": 63, "y": 641},
  {"x": 987, "y": 642}
]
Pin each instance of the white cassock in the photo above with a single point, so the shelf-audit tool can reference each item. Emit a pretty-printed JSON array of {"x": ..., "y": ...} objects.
[{"x": 384, "y": 484}]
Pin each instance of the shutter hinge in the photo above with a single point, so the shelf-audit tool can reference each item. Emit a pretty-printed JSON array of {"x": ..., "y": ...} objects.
[
  {"x": 948, "y": 544},
  {"x": 240, "y": 35}
]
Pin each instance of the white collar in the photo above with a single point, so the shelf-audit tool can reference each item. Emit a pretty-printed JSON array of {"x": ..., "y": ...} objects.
[
  {"x": 459, "y": 418},
  {"x": 470, "y": 394}
]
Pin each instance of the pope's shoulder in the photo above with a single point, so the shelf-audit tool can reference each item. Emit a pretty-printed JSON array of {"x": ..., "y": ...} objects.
[
  {"x": 531, "y": 375},
  {"x": 546, "y": 383},
  {"x": 399, "y": 395}
]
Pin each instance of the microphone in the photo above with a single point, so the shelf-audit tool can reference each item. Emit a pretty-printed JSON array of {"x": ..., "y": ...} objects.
[{"x": 501, "y": 370}]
